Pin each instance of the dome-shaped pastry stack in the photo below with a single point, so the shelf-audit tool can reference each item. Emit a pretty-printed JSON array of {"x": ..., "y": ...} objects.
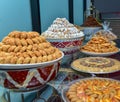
[
  {"x": 61, "y": 28},
  {"x": 25, "y": 48}
]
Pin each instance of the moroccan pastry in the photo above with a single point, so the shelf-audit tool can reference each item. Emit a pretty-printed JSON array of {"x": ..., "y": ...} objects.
[
  {"x": 62, "y": 28},
  {"x": 96, "y": 64},
  {"x": 91, "y": 22},
  {"x": 108, "y": 34},
  {"x": 26, "y": 47},
  {"x": 94, "y": 90},
  {"x": 99, "y": 44}
]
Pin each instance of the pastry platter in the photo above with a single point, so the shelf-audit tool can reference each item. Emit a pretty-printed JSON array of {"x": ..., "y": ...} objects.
[
  {"x": 96, "y": 65},
  {"x": 99, "y": 54},
  {"x": 67, "y": 92}
]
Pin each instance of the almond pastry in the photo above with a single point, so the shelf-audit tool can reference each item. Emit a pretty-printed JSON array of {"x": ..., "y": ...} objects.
[{"x": 94, "y": 90}]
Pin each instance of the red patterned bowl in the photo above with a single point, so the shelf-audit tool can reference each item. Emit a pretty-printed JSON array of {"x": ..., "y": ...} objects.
[
  {"x": 68, "y": 46},
  {"x": 22, "y": 77}
]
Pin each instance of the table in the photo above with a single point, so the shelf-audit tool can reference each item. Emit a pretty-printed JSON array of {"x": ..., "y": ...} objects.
[{"x": 64, "y": 76}]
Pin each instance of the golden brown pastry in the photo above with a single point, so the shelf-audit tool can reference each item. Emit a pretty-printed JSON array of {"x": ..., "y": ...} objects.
[
  {"x": 33, "y": 59},
  {"x": 17, "y": 49},
  {"x": 94, "y": 90},
  {"x": 25, "y": 48},
  {"x": 35, "y": 41},
  {"x": 15, "y": 34},
  {"x": 29, "y": 41},
  {"x": 23, "y": 42},
  {"x": 27, "y": 60},
  {"x": 99, "y": 44},
  {"x": 20, "y": 60},
  {"x": 39, "y": 59}
]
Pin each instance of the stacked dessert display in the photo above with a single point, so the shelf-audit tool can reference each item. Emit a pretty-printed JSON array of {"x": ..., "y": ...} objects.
[
  {"x": 97, "y": 63},
  {"x": 65, "y": 36},
  {"x": 99, "y": 46},
  {"x": 91, "y": 26},
  {"x": 27, "y": 61},
  {"x": 95, "y": 89}
]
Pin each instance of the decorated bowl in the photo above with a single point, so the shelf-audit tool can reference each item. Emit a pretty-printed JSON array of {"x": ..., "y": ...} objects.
[
  {"x": 24, "y": 77},
  {"x": 69, "y": 46}
]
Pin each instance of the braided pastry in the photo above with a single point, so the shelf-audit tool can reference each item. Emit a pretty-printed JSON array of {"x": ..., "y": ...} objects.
[{"x": 25, "y": 48}]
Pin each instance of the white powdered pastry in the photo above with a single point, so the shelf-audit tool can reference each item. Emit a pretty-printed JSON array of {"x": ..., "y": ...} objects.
[{"x": 62, "y": 28}]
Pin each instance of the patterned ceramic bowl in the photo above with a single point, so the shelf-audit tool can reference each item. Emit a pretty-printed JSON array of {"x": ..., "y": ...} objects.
[
  {"x": 68, "y": 46},
  {"x": 24, "y": 77}
]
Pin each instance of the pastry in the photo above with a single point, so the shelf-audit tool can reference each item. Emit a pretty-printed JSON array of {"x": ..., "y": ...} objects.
[
  {"x": 99, "y": 44},
  {"x": 62, "y": 28},
  {"x": 106, "y": 33},
  {"x": 96, "y": 65},
  {"x": 94, "y": 90},
  {"x": 91, "y": 22},
  {"x": 26, "y": 47}
]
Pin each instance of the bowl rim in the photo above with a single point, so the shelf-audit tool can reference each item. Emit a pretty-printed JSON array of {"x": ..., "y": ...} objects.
[
  {"x": 66, "y": 88},
  {"x": 77, "y": 37},
  {"x": 29, "y": 66},
  {"x": 91, "y": 27}
]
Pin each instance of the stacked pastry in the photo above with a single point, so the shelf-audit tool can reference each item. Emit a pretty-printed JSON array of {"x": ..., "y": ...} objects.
[
  {"x": 26, "y": 47},
  {"x": 99, "y": 44},
  {"x": 62, "y": 28},
  {"x": 108, "y": 34},
  {"x": 91, "y": 22}
]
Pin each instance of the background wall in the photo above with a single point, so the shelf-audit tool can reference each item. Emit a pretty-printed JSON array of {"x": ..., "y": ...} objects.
[
  {"x": 16, "y": 15},
  {"x": 51, "y": 9}
]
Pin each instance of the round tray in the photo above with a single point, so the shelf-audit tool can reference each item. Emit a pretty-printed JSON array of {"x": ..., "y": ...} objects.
[
  {"x": 99, "y": 54},
  {"x": 99, "y": 71},
  {"x": 93, "y": 72},
  {"x": 28, "y": 66},
  {"x": 68, "y": 85}
]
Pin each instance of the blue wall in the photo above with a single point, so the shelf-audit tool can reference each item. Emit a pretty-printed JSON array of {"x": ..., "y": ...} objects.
[
  {"x": 78, "y": 12},
  {"x": 51, "y": 9},
  {"x": 15, "y": 14}
]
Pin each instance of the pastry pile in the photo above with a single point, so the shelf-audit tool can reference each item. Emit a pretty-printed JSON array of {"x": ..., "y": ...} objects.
[
  {"x": 25, "y": 48},
  {"x": 99, "y": 44},
  {"x": 91, "y": 22},
  {"x": 94, "y": 90},
  {"x": 108, "y": 34},
  {"x": 62, "y": 28}
]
